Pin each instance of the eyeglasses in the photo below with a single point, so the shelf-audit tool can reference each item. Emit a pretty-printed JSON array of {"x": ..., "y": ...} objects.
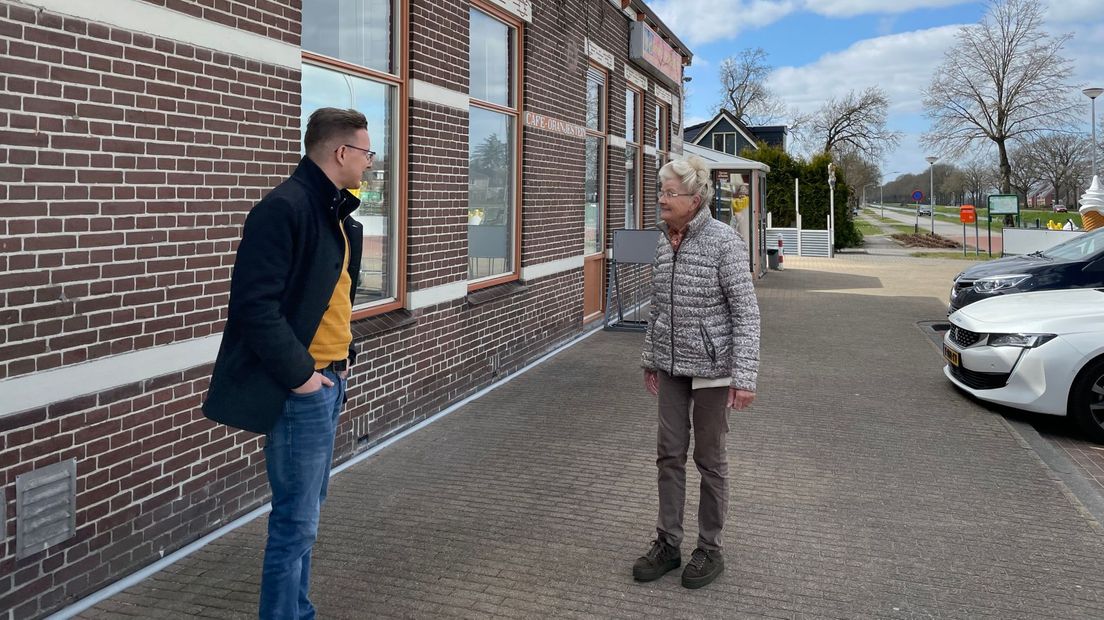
[
  {"x": 370, "y": 155},
  {"x": 670, "y": 195}
]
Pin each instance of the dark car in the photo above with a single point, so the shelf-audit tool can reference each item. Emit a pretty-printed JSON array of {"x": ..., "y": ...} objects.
[{"x": 1076, "y": 263}]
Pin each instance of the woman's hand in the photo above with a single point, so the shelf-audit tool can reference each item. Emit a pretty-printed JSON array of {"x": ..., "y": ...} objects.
[
  {"x": 651, "y": 382},
  {"x": 739, "y": 399}
]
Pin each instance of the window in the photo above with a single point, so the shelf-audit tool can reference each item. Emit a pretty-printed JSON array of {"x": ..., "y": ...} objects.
[
  {"x": 725, "y": 142},
  {"x": 349, "y": 62},
  {"x": 594, "y": 181},
  {"x": 633, "y": 148},
  {"x": 662, "y": 137},
  {"x": 493, "y": 214}
]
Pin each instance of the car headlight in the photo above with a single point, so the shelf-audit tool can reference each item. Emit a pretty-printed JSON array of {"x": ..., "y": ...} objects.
[
  {"x": 992, "y": 284},
  {"x": 1025, "y": 341}
]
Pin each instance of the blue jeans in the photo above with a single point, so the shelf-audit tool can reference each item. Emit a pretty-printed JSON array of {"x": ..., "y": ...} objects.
[{"x": 298, "y": 454}]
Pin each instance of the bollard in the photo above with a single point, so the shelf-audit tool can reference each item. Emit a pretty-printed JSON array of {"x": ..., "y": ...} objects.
[{"x": 780, "y": 253}]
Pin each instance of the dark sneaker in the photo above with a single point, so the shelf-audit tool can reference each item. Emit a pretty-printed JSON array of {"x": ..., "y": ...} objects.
[
  {"x": 659, "y": 560},
  {"x": 703, "y": 567}
]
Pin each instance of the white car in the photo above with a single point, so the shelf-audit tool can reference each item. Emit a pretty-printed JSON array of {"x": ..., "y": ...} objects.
[{"x": 1040, "y": 351}]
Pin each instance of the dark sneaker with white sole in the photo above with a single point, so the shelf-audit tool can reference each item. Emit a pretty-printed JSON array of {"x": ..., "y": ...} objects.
[
  {"x": 660, "y": 559},
  {"x": 703, "y": 567}
]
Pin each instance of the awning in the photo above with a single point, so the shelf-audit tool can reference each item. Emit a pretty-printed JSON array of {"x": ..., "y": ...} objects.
[{"x": 719, "y": 160}]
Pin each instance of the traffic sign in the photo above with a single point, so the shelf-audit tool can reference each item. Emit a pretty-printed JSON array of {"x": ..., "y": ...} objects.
[{"x": 917, "y": 195}]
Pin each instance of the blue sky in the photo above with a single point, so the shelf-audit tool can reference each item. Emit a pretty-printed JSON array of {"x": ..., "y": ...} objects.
[{"x": 829, "y": 47}]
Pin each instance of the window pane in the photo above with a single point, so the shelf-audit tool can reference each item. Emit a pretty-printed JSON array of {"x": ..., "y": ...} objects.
[
  {"x": 490, "y": 193},
  {"x": 592, "y": 186},
  {"x": 659, "y": 127},
  {"x": 378, "y": 261},
  {"x": 718, "y": 142},
  {"x": 492, "y": 51},
  {"x": 595, "y": 98},
  {"x": 357, "y": 31},
  {"x": 631, "y": 193},
  {"x": 630, "y": 115}
]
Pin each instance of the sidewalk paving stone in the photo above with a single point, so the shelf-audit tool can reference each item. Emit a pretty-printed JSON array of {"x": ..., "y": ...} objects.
[{"x": 862, "y": 485}]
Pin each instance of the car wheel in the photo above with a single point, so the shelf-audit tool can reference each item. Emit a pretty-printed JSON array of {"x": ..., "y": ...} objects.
[{"x": 1086, "y": 402}]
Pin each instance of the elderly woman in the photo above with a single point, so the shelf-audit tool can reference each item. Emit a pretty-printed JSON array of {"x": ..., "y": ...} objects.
[{"x": 701, "y": 357}]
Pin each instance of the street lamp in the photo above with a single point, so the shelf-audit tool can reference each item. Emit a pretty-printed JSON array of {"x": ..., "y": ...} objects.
[
  {"x": 881, "y": 193},
  {"x": 931, "y": 189},
  {"x": 1092, "y": 94}
]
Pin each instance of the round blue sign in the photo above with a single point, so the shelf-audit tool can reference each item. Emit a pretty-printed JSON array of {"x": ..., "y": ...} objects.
[{"x": 917, "y": 195}]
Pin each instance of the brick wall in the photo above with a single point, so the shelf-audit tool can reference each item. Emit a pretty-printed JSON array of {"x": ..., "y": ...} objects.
[{"x": 128, "y": 165}]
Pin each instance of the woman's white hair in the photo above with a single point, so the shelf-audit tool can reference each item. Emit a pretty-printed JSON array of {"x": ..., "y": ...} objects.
[{"x": 692, "y": 173}]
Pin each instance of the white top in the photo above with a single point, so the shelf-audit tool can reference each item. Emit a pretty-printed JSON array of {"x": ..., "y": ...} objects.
[{"x": 699, "y": 383}]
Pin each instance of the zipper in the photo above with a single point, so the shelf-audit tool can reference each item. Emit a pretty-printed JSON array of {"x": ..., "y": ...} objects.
[{"x": 674, "y": 263}]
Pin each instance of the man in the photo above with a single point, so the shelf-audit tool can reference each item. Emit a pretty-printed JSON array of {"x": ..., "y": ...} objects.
[{"x": 287, "y": 346}]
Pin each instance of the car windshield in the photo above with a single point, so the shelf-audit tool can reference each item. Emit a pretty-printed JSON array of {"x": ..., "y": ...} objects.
[{"x": 1081, "y": 246}]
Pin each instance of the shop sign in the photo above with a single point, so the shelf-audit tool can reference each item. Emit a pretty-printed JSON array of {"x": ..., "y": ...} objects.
[
  {"x": 555, "y": 125},
  {"x": 663, "y": 95},
  {"x": 517, "y": 8},
  {"x": 599, "y": 55},
  {"x": 636, "y": 77},
  {"x": 650, "y": 51}
]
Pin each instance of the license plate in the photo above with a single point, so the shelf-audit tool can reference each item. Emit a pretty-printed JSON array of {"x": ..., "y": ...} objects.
[{"x": 951, "y": 356}]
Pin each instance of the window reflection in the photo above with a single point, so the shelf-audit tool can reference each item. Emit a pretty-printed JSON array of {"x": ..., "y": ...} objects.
[
  {"x": 592, "y": 187},
  {"x": 327, "y": 88},
  {"x": 492, "y": 50},
  {"x": 356, "y": 31},
  {"x": 490, "y": 193},
  {"x": 630, "y": 186}
]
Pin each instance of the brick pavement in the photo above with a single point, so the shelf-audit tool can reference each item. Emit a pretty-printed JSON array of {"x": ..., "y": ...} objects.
[{"x": 863, "y": 485}]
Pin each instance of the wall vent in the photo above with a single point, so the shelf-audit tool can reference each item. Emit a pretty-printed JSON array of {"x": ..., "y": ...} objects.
[{"x": 45, "y": 507}]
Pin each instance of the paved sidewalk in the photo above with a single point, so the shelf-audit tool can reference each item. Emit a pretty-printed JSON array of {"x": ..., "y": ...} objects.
[{"x": 863, "y": 486}]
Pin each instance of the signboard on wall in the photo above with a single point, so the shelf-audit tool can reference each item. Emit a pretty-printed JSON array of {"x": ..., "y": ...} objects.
[
  {"x": 649, "y": 51},
  {"x": 518, "y": 8},
  {"x": 555, "y": 125}
]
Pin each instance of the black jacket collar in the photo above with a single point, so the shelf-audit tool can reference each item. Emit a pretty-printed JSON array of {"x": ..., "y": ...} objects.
[{"x": 324, "y": 194}]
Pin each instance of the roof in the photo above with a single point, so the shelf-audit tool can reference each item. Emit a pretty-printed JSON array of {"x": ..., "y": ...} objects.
[
  {"x": 735, "y": 122},
  {"x": 718, "y": 160}
]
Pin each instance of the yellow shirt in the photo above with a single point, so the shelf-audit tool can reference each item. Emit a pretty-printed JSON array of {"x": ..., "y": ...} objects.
[{"x": 331, "y": 341}]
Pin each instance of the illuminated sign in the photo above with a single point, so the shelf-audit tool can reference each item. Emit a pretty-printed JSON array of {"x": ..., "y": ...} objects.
[{"x": 652, "y": 53}]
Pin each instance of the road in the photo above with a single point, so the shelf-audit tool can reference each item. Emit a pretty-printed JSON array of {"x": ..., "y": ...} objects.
[{"x": 907, "y": 215}]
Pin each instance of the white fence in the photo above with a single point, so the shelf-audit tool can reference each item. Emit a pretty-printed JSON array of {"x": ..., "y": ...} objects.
[
  {"x": 1027, "y": 240},
  {"x": 813, "y": 242}
]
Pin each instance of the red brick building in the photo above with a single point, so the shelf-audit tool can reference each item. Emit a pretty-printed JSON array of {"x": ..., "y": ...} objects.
[{"x": 513, "y": 137}]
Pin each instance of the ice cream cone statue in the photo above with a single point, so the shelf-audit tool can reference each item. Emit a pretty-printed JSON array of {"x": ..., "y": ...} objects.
[{"x": 1092, "y": 206}]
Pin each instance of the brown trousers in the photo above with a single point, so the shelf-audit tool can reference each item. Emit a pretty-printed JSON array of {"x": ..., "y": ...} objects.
[{"x": 677, "y": 403}]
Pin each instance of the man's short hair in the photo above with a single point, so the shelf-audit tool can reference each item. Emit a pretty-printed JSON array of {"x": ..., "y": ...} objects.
[{"x": 329, "y": 124}]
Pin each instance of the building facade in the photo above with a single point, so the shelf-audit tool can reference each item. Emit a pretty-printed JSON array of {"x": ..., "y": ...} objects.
[{"x": 513, "y": 137}]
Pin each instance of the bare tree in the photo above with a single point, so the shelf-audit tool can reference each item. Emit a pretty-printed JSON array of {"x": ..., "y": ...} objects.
[
  {"x": 1025, "y": 174},
  {"x": 743, "y": 88},
  {"x": 855, "y": 123},
  {"x": 1062, "y": 160},
  {"x": 1004, "y": 79},
  {"x": 979, "y": 178}
]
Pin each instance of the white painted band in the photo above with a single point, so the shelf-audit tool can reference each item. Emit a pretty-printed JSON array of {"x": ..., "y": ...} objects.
[
  {"x": 138, "y": 16},
  {"x": 436, "y": 295},
  {"x": 617, "y": 142},
  {"x": 649, "y": 150},
  {"x": 543, "y": 270},
  {"x": 95, "y": 376},
  {"x": 431, "y": 93}
]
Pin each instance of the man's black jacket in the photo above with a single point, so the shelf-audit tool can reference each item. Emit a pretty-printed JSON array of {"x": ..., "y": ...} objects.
[{"x": 287, "y": 266}]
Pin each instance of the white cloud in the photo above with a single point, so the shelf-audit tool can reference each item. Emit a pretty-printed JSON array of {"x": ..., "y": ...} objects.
[
  {"x": 851, "y": 8},
  {"x": 1059, "y": 12},
  {"x": 704, "y": 21},
  {"x": 900, "y": 64}
]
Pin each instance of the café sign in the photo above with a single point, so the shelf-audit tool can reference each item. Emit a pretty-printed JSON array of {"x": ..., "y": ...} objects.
[
  {"x": 654, "y": 55},
  {"x": 555, "y": 125}
]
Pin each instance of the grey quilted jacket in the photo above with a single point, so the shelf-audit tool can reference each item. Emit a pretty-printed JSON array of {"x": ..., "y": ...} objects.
[{"x": 704, "y": 315}]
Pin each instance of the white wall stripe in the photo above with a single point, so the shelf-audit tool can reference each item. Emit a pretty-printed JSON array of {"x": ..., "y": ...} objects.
[
  {"x": 436, "y": 295},
  {"x": 543, "y": 270},
  {"x": 163, "y": 23},
  {"x": 424, "y": 91},
  {"x": 54, "y": 386}
]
